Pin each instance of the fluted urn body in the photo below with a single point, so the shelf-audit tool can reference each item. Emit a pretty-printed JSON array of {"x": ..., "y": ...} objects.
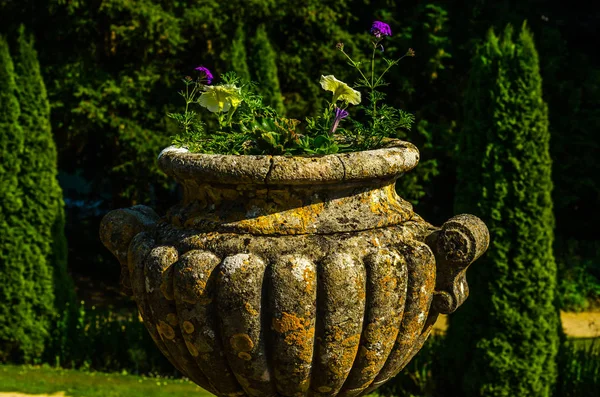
[{"x": 291, "y": 276}]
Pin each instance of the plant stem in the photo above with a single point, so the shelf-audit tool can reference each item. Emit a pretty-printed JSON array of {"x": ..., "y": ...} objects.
[
  {"x": 354, "y": 64},
  {"x": 373, "y": 85},
  {"x": 188, "y": 99},
  {"x": 373, "y": 65},
  {"x": 187, "y": 104},
  {"x": 230, "y": 115},
  {"x": 389, "y": 66}
]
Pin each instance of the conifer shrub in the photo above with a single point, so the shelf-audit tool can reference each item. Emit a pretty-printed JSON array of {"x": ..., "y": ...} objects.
[
  {"x": 43, "y": 198},
  {"x": 504, "y": 341},
  {"x": 25, "y": 283},
  {"x": 239, "y": 57},
  {"x": 265, "y": 66},
  {"x": 33, "y": 259}
]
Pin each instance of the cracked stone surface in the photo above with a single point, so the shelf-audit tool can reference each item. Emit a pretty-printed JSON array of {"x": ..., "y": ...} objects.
[{"x": 291, "y": 276}]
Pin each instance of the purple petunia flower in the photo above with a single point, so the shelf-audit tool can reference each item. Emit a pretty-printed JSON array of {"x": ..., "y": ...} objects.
[
  {"x": 339, "y": 114},
  {"x": 381, "y": 29},
  {"x": 207, "y": 74}
]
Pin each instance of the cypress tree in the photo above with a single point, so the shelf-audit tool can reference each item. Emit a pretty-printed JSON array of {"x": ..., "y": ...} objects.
[
  {"x": 239, "y": 58},
  {"x": 32, "y": 242},
  {"x": 264, "y": 60},
  {"x": 23, "y": 313},
  {"x": 504, "y": 341},
  {"x": 43, "y": 206}
]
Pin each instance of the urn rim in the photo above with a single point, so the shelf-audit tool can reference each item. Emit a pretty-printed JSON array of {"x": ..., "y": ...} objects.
[{"x": 386, "y": 163}]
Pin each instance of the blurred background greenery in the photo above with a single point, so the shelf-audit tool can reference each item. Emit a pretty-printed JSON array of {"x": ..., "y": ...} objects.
[{"x": 111, "y": 70}]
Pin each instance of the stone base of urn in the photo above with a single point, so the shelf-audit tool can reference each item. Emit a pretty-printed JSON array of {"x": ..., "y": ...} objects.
[{"x": 291, "y": 276}]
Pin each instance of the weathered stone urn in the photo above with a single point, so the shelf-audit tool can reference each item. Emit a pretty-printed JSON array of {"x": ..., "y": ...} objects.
[{"x": 291, "y": 276}]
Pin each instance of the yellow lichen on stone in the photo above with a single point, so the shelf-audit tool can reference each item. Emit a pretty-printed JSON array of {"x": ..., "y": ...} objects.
[
  {"x": 385, "y": 202},
  {"x": 296, "y": 334},
  {"x": 241, "y": 343},
  {"x": 341, "y": 364},
  {"x": 308, "y": 215},
  {"x": 351, "y": 341},
  {"x": 288, "y": 322},
  {"x": 200, "y": 293},
  {"x": 250, "y": 309},
  {"x": 393, "y": 198},
  {"x": 298, "y": 220},
  {"x": 302, "y": 340},
  {"x": 192, "y": 349},
  {"x": 165, "y": 330},
  {"x": 200, "y": 287},
  {"x": 371, "y": 357},
  {"x": 188, "y": 327},
  {"x": 388, "y": 282},
  {"x": 309, "y": 277},
  {"x": 360, "y": 288},
  {"x": 338, "y": 334}
]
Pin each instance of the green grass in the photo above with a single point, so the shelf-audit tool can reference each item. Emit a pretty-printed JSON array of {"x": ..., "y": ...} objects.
[
  {"x": 74, "y": 383},
  {"x": 47, "y": 380},
  {"x": 591, "y": 344}
]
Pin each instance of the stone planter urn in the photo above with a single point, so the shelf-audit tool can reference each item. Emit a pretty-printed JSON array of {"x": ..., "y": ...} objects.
[{"x": 291, "y": 276}]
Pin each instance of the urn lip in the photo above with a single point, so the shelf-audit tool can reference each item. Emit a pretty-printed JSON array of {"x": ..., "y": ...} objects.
[{"x": 385, "y": 163}]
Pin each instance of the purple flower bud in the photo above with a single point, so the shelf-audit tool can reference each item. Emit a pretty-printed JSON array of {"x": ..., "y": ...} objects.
[
  {"x": 381, "y": 29},
  {"x": 206, "y": 74},
  {"x": 339, "y": 114}
]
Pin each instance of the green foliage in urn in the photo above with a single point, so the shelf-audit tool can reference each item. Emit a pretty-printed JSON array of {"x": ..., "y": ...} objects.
[
  {"x": 33, "y": 259},
  {"x": 504, "y": 177},
  {"x": 249, "y": 113}
]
